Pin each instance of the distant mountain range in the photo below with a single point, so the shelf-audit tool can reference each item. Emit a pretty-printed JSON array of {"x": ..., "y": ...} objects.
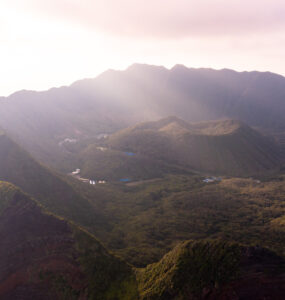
[{"x": 40, "y": 121}]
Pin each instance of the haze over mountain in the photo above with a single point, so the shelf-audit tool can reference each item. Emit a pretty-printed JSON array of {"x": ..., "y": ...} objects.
[
  {"x": 116, "y": 99},
  {"x": 222, "y": 147},
  {"x": 157, "y": 180},
  {"x": 155, "y": 197},
  {"x": 50, "y": 189}
]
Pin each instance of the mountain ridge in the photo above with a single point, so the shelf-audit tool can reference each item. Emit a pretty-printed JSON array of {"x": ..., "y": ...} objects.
[
  {"x": 39, "y": 121},
  {"x": 139, "y": 65},
  {"x": 222, "y": 147}
]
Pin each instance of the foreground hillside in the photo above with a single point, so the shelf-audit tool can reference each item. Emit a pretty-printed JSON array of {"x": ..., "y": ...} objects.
[
  {"x": 214, "y": 270},
  {"x": 220, "y": 147},
  {"x": 44, "y": 257}
]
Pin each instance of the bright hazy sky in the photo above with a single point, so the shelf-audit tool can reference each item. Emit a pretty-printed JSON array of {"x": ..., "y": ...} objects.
[{"x": 46, "y": 43}]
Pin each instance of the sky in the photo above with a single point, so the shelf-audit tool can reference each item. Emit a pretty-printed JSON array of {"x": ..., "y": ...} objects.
[{"x": 45, "y": 44}]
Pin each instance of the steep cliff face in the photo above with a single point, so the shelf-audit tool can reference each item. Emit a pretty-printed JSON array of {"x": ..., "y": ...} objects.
[{"x": 44, "y": 257}]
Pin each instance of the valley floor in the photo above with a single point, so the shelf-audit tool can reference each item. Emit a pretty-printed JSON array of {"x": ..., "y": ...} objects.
[{"x": 146, "y": 220}]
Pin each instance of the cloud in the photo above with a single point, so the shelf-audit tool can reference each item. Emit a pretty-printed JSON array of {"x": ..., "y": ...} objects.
[{"x": 168, "y": 18}]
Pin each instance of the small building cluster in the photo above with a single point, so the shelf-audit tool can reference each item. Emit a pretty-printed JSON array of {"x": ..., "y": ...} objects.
[
  {"x": 76, "y": 175},
  {"x": 212, "y": 179},
  {"x": 93, "y": 182}
]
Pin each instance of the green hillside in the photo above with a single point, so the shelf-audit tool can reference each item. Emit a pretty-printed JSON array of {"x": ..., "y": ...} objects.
[
  {"x": 220, "y": 147},
  {"x": 43, "y": 257},
  {"x": 114, "y": 165},
  {"x": 214, "y": 270},
  {"x": 53, "y": 192},
  {"x": 142, "y": 221},
  {"x": 147, "y": 220}
]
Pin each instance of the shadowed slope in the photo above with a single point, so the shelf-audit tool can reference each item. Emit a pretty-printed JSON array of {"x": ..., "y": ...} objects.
[
  {"x": 43, "y": 257},
  {"x": 19, "y": 168}
]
